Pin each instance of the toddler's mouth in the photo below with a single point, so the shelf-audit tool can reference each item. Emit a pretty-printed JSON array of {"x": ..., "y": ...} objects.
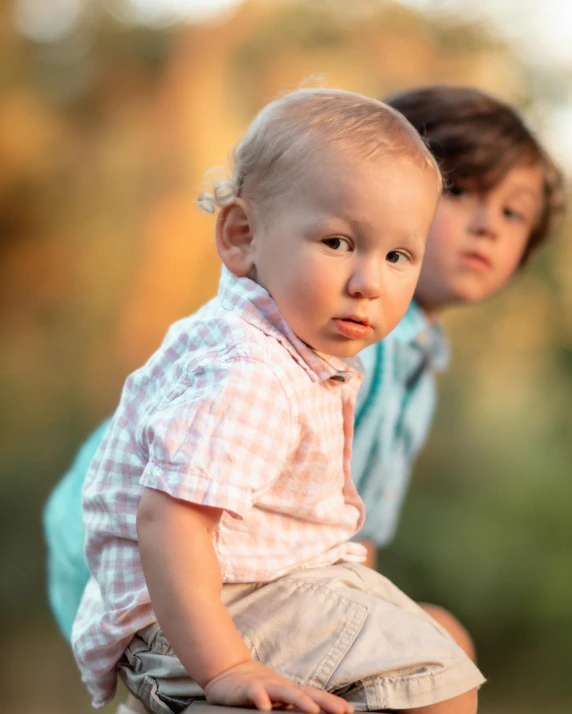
[{"x": 353, "y": 326}]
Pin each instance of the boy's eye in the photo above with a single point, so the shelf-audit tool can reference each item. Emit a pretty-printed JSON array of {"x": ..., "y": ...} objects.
[
  {"x": 456, "y": 191},
  {"x": 338, "y": 244},
  {"x": 513, "y": 215},
  {"x": 396, "y": 257}
]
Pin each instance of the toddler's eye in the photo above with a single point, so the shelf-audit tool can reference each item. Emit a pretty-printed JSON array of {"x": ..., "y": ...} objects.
[
  {"x": 396, "y": 257},
  {"x": 338, "y": 244}
]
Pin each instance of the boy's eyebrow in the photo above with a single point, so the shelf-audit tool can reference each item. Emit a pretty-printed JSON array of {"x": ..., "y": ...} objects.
[{"x": 526, "y": 189}]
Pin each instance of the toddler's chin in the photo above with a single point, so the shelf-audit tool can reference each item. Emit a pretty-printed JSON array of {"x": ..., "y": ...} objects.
[
  {"x": 348, "y": 351},
  {"x": 344, "y": 349}
]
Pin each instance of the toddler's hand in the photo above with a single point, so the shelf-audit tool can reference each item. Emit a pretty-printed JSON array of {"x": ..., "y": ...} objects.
[{"x": 252, "y": 684}]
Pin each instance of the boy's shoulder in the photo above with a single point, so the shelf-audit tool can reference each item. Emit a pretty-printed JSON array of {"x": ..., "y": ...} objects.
[{"x": 414, "y": 348}]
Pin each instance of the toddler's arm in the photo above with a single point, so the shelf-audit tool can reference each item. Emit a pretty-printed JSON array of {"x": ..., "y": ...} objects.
[{"x": 184, "y": 580}]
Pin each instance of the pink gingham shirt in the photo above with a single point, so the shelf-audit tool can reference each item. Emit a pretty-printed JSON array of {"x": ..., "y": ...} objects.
[{"x": 234, "y": 412}]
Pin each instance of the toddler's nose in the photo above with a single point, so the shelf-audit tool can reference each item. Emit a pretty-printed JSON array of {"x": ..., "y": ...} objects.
[{"x": 365, "y": 281}]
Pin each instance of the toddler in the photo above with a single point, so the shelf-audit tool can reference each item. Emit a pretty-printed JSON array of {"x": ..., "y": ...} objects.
[{"x": 219, "y": 507}]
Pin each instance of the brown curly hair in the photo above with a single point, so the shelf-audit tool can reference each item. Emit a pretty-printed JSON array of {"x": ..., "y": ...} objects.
[{"x": 476, "y": 139}]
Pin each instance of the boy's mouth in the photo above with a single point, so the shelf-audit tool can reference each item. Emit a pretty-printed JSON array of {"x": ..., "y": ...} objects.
[{"x": 477, "y": 260}]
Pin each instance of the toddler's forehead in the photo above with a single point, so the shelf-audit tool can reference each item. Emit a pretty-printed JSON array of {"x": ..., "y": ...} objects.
[
  {"x": 322, "y": 170},
  {"x": 326, "y": 163},
  {"x": 334, "y": 183}
]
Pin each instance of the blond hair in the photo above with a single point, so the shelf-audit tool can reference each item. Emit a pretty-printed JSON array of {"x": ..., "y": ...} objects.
[{"x": 297, "y": 125}]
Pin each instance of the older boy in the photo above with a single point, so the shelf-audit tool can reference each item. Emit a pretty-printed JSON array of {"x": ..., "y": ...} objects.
[{"x": 502, "y": 197}]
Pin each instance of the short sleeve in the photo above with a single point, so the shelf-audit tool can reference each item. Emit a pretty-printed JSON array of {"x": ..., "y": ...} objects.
[{"x": 224, "y": 439}]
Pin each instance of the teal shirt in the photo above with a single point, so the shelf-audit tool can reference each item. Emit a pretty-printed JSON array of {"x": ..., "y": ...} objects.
[
  {"x": 394, "y": 412},
  {"x": 65, "y": 535},
  {"x": 393, "y": 415}
]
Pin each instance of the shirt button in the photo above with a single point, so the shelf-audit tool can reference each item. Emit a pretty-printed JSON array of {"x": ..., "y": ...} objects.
[{"x": 388, "y": 494}]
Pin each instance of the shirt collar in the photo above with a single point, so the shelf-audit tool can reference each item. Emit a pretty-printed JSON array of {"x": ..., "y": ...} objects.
[
  {"x": 254, "y": 304},
  {"x": 429, "y": 337}
]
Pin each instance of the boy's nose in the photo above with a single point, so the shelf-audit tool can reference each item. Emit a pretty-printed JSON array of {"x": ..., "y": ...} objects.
[
  {"x": 483, "y": 222},
  {"x": 365, "y": 281}
]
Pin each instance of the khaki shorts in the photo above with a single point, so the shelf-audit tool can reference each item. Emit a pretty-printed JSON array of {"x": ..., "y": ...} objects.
[{"x": 343, "y": 628}]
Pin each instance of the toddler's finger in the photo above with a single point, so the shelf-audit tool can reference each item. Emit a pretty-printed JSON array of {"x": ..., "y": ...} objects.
[
  {"x": 295, "y": 696},
  {"x": 330, "y": 703},
  {"x": 261, "y": 700}
]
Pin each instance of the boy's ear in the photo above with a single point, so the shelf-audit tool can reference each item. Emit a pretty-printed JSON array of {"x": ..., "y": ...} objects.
[{"x": 234, "y": 237}]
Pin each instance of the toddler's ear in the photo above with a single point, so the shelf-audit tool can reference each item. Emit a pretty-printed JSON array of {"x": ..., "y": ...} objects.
[{"x": 234, "y": 237}]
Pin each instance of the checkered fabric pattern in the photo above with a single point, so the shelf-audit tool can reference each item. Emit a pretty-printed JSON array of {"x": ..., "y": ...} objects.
[{"x": 234, "y": 412}]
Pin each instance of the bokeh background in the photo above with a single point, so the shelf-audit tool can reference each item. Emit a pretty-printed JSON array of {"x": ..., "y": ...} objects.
[{"x": 110, "y": 113}]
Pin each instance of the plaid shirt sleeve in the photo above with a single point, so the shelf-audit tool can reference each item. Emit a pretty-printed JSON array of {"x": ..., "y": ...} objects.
[{"x": 224, "y": 440}]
